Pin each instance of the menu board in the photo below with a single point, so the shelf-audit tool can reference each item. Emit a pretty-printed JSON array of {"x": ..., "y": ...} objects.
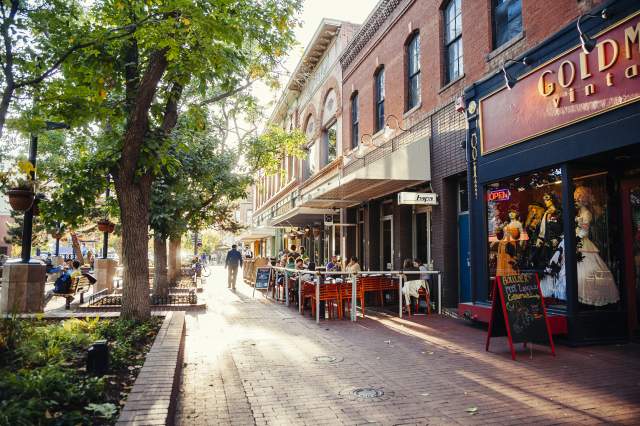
[
  {"x": 518, "y": 311},
  {"x": 262, "y": 277}
]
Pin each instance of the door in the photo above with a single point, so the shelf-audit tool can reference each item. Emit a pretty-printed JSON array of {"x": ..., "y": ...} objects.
[
  {"x": 631, "y": 218},
  {"x": 386, "y": 236},
  {"x": 464, "y": 257}
]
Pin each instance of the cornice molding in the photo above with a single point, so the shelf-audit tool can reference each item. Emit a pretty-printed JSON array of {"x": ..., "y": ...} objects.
[{"x": 368, "y": 30}]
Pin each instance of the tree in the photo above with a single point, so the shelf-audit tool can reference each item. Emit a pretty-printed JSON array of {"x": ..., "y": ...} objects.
[
  {"x": 197, "y": 194},
  {"x": 134, "y": 88}
]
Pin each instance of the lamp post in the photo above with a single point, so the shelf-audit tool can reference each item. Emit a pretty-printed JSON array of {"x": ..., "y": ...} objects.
[{"x": 27, "y": 227}]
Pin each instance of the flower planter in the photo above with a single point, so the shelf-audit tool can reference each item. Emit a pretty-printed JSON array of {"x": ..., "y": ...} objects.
[
  {"x": 103, "y": 225},
  {"x": 20, "y": 199},
  {"x": 111, "y": 228}
]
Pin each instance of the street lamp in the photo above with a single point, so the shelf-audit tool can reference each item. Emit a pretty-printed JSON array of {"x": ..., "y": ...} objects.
[{"x": 27, "y": 227}]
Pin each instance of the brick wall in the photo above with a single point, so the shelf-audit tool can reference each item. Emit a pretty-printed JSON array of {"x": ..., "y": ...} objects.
[{"x": 541, "y": 18}]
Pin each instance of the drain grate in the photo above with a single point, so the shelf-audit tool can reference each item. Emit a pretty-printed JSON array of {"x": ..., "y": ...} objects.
[
  {"x": 326, "y": 359},
  {"x": 368, "y": 393}
]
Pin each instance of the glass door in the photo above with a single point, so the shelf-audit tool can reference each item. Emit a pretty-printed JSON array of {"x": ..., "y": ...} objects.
[
  {"x": 631, "y": 219},
  {"x": 387, "y": 243}
]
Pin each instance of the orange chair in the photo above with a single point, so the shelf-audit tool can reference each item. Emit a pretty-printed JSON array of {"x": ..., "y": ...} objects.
[
  {"x": 346, "y": 295},
  {"x": 308, "y": 291},
  {"x": 427, "y": 297},
  {"x": 372, "y": 284},
  {"x": 328, "y": 293}
]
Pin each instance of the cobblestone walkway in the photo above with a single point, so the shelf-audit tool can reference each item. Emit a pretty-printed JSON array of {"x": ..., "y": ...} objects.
[{"x": 251, "y": 361}]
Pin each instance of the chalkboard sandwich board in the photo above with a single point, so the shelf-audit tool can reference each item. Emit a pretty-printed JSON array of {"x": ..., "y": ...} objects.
[
  {"x": 518, "y": 312},
  {"x": 263, "y": 275}
]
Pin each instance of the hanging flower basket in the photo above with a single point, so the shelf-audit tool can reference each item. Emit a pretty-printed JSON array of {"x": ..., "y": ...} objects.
[
  {"x": 104, "y": 225},
  {"x": 56, "y": 235},
  {"x": 20, "y": 199},
  {"x": 316, "y": 232},
  {"x": 111, "y": 227}
]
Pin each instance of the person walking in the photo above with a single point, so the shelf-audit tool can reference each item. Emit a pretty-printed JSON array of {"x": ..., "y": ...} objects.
[{"x": 234, "y": 259}]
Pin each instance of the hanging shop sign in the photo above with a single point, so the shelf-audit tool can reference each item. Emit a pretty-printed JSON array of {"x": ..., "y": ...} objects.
[
  {"x": 418, "y": 198},
  {"x": 328, "y": 220},
  {"x": 518, "y": 312},
  {"x": 570, "y": 88}
]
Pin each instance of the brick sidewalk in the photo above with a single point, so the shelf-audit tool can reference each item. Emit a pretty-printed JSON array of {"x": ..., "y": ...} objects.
[{"x": 250, "y": 361}]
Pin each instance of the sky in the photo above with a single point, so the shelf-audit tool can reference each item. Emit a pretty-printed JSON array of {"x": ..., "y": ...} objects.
[{"x": 354, "y": 11}]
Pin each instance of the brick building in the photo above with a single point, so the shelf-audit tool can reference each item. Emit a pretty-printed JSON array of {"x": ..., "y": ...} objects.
[
  {"x": 403, "y": 129},
  {"x": 288, "y": 207}
]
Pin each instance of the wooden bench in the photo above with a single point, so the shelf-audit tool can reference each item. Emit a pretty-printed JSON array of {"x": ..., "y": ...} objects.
[{"x": 79, "y": 285}]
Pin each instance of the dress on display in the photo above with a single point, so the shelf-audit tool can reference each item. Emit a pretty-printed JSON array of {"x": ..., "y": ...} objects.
[
  {"x": 596, "y": 285},
  {"x": 553, "y": 284},
  {"x": 507, "y": 249}
]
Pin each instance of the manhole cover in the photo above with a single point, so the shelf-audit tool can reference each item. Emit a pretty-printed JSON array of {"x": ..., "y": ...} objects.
[
  {"x": 367, "y": 393},
  {"x": 326, "y": 359}
]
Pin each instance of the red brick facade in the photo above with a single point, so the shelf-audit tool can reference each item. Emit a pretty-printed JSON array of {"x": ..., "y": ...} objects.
[{"x": 382, "y": 42}]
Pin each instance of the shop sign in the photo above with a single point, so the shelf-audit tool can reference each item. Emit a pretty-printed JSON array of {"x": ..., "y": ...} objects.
[
  {"x": 418, "y": 198},
  {"x": 499, "y": 195},
  {"x": 572, "y": 87},
  {"x": 328, "y": 220}
]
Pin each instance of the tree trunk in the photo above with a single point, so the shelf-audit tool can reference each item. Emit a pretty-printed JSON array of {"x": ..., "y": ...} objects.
[
  {"x": 133, "y": 198},
  {"x": 76, "y": 248},
  {"x": 174, "y": 260},
  {"x": 160, "y": 279}
]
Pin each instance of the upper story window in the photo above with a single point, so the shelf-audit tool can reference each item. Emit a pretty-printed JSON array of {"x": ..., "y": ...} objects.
[
  {"x": 413, "y": 71},
  {"x": 329, "y": 123},
  {"x": 453, "y": 40},
  {"x": 355, "y": 121},
  {"x": 379, "y": 99},
  {"x": 507, "y": 21},
  {"x": 331, "y": 140}
]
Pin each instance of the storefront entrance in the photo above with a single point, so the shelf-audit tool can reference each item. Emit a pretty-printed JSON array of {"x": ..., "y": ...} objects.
[{"x": 630, "y": 192}]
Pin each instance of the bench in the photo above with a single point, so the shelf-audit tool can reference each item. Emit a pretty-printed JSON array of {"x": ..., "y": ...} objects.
[{"x": 79, "y": 285}]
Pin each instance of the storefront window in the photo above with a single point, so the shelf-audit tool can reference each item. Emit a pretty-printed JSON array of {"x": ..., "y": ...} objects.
[
  {"x": 598, "y": 273},
  {"x": 524, "y": 222}
]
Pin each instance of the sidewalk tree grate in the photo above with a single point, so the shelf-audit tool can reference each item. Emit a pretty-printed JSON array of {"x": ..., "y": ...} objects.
[{"x": 326, "y": 359}]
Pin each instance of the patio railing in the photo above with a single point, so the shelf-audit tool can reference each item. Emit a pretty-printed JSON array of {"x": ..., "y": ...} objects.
[{"x": 354, "y": 278}]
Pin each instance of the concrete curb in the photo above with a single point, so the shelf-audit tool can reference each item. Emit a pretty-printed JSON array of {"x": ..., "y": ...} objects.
[{"x": 152, "y": 400}]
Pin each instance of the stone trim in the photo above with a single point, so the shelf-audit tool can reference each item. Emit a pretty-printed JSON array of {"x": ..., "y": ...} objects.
[{"x": 152, "y": 400}]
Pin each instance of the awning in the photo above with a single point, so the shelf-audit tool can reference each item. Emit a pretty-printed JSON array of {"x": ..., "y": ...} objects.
[
  {"x": 301, "y": 216},
  {"x": 382, "y": 171},
  {"x": 253, "y": 234}
]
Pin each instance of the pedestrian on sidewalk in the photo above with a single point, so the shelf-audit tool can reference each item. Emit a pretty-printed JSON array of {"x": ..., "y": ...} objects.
[{"x": 234, "y": 259}]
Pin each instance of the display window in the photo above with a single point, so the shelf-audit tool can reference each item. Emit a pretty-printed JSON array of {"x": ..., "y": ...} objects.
[
  {"x": 597, "y": 263},
  {"x": 525, "y": 231}
]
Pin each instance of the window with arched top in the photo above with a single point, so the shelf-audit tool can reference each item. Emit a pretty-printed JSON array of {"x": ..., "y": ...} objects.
[
  {"x": 330, "y": 107},
  {"x": 413, "y": 70},
  {"x": 310, "y": 127}
]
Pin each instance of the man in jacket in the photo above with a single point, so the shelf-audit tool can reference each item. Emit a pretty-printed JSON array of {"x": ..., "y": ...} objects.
[{"x": 234, "y": 259}]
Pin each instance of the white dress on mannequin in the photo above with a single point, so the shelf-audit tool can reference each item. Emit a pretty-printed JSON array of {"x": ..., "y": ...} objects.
[{"x": 596, "y": 285}]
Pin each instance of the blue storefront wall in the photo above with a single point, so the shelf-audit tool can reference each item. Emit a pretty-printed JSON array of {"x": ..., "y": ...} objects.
[{"x": 612, "y": 130}]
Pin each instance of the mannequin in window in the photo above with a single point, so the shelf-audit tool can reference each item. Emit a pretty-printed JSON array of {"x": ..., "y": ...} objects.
[
  {"x": 596, "y": 285},
  {"x": 508, "y": 245},
  {"x": 535, "y": 211},
  {"x": 549, "y": 237}
]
